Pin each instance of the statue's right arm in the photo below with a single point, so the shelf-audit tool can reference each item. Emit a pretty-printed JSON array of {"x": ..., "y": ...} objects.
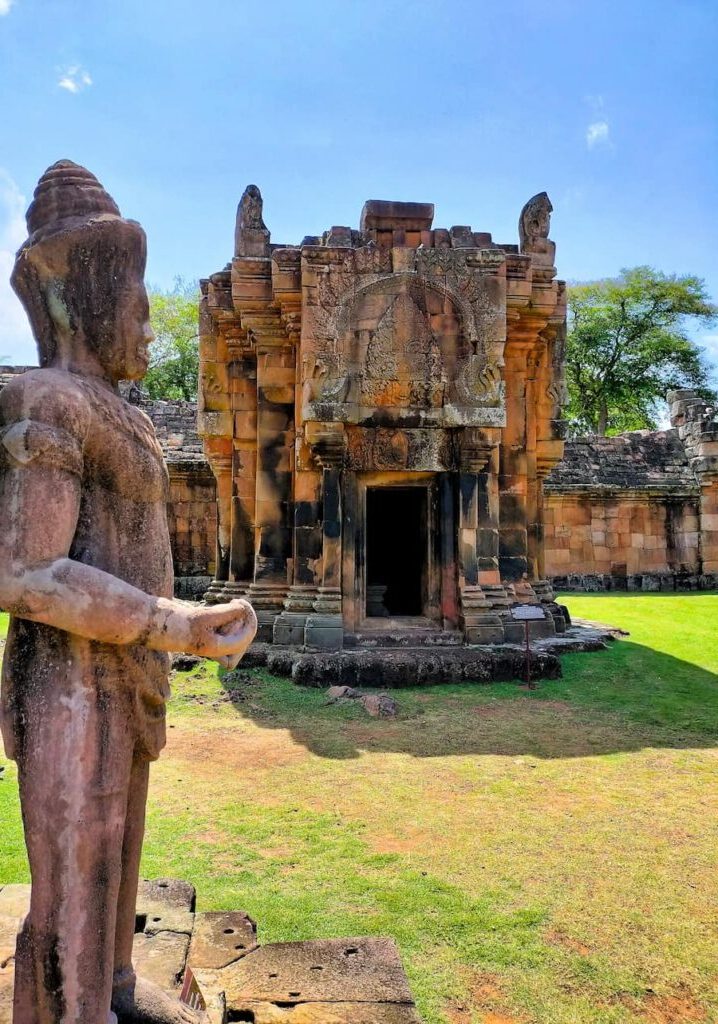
[{"x": 41, "y": 455}]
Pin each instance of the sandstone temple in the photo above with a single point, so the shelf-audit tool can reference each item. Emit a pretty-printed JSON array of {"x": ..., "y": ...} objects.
[
  {"x": 381, "y": 447},
  {"x": 380, "y": 407}
]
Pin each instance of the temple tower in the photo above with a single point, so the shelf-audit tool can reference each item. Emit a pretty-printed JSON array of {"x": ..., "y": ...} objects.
[{"x": 380, "y": 407}]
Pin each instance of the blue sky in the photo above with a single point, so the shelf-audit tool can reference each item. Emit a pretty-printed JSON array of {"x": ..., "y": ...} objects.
[{"x": 474, "y": 106}]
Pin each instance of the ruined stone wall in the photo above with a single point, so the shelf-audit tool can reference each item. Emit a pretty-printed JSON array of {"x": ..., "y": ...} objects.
[
  {"x": 628, "y": 513},
  {"x": 192, "y": 507}
]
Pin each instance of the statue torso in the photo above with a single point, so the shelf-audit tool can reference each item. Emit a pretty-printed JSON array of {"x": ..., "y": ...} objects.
[{"x": 121, "y": 529}]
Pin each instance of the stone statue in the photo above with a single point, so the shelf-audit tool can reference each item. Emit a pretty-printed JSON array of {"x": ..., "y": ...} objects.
[
  {"x": 86, "y": 574},
  {"x": 251, "y": 237},
  {"x": 534, "y": 226}
]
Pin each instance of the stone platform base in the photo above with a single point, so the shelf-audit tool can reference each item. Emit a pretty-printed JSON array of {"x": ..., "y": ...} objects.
[
  {"x": 215, "y": 961},
  {"x": 647, "y": 582},
  {"x": 397, "y": 665}
]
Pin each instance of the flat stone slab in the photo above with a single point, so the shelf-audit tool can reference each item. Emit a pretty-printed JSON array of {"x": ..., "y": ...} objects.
[
  {"x": 361, "y": 970},
  {"x": 161, "y": 958},
  {"x": 171, "y": 892},
  {"x": 14, "y": 901},
  {"x": 219, "y": 938},
  {"x": 328, "y": 981},
  {"x": 327, "y": 1013}
]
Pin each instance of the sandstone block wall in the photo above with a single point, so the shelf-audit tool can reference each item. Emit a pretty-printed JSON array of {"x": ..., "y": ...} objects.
[{"x": 637, "y": 511}]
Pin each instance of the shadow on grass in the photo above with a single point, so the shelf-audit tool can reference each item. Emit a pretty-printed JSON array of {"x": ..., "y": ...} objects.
[{"x": 619, "y": 700}]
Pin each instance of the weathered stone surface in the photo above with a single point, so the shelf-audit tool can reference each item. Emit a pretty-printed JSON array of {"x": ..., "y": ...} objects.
[
  {"x": 89, "y": 589},
  {"x": 161, "y": 958},
  {"x": 633, "y": 512},
  {"x": 381, "y": 667},
  {"x": 329, "y": 970},
  {"x": 335, "y": 693},
  {"x": 340, "y": 981},
  {"x": 219, "y": 938},
  {"x": 366, "y": 400},
  {"x": 326, "y": 1013},
  {"x": 165, "y": 892},
  {"x": 14, "y": 901}
]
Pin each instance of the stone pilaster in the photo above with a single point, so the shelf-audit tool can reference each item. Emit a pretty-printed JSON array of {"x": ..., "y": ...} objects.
[
  {"x": 275, "y": 436},
  {"x": 325, "y": 628},
  {"x": 481, "y": 623}
]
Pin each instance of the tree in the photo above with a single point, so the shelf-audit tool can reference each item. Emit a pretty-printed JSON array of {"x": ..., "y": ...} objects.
[
  {"x": 627, "y": 346},
  {"x": 174, "y": 356}
]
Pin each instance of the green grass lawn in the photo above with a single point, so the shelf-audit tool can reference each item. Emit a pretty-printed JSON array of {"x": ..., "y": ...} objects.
[{"x": 543, "y": 857}]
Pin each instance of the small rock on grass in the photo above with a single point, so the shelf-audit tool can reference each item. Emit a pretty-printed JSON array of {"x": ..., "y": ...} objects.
[
  {"x": 335, "y": 693},
  {"x": 380, "y": 705}
]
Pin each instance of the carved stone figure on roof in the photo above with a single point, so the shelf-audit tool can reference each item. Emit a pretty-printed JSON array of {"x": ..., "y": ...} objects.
[
  {"x": 251, "y": 237},
  {"x": 534, "y": 227}
]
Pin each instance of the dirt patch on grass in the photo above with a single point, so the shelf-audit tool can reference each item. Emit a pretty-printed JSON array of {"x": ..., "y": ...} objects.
[
  {"x": 417, "y": 840},
  {"x": 559, "y": 938},
  {"x": 234, "y": 749},
  {"x": 485, "y": 996},
  {"x": 680, "y": 1007}
]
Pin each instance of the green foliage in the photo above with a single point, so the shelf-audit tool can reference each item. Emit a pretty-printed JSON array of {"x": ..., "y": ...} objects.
[
  {"x": 627, "y": 346},
  {"x": 174, "y": 356}
]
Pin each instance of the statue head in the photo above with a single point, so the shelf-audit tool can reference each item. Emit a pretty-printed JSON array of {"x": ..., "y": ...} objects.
[
  {"x": 80, "y": 276},
  {"x": 535, "y": 221}
]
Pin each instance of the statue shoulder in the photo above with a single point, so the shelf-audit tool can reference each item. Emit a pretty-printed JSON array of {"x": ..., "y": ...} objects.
[{"x": 49, "y": 396}]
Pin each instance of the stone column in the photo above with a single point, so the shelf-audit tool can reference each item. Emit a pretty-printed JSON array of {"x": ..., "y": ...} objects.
[
  {"x": 222, "y": 468},
  {"x": 306, "y": 557},
  {"x": 450, "y": 610},
  {"x": 243, "y": 390},
  {"x": 325, "y": 628},
  {"x": 481, "y": 623},
  {"x": 273, "y": 515}
]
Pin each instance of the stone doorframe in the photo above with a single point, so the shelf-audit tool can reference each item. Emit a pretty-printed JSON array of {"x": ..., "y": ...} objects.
[{"x": 442, "y": 582}]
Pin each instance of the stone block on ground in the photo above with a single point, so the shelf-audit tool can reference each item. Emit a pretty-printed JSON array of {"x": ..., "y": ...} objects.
[
  {"x": 161, "y": 958},
  {"x": 330, "y": 981},
  {"x": 220, "y": 938},
  {"x": 361, "y": 970},
  {"x": 168, "y": 891}
]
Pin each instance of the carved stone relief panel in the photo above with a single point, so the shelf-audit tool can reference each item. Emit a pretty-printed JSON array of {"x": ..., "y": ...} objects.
[
  {"x": 415, "y": 450},
  {"x": 421, "y": 346}
]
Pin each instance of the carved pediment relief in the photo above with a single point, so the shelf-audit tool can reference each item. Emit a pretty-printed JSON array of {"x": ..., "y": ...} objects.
[
  {"x": 406, "y": 347},
  {"x": 403, "y": 363}
]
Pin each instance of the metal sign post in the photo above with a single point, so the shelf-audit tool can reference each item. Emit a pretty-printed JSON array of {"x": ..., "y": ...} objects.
[{"x": 528, "y": 613}]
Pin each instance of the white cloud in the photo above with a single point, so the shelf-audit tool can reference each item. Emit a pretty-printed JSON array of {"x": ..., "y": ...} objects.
[
  {"x": 5, "y": 6},
  {"x": 16, "y": 341},
  {"x": 597, "y": 134},
  {"x": 74, "y": 78}
]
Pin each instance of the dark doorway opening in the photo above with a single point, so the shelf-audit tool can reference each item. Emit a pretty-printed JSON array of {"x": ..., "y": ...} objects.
[{"x": 396, "y": 550}]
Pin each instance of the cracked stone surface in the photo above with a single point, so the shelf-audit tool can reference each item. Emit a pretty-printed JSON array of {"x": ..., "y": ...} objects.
[
  {"x": 329, "y": 981},
  {"x": 220, "y": 937},
  {"x": 360, "y": 970}
]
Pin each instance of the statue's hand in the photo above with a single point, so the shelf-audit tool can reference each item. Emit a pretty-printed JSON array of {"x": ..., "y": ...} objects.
[{"x": 220, "y": 631}]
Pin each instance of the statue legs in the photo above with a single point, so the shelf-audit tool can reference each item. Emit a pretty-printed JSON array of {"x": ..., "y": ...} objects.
[
  {"x": 83, "y": 790},
  {"x": 75, "y": 768}
]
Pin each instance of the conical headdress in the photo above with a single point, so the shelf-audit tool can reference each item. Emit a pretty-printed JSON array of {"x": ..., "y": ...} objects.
[{"x": 67, "y": 195}]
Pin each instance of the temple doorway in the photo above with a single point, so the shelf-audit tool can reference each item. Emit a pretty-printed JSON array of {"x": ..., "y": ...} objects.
[{"x": 397, "y": 551}]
